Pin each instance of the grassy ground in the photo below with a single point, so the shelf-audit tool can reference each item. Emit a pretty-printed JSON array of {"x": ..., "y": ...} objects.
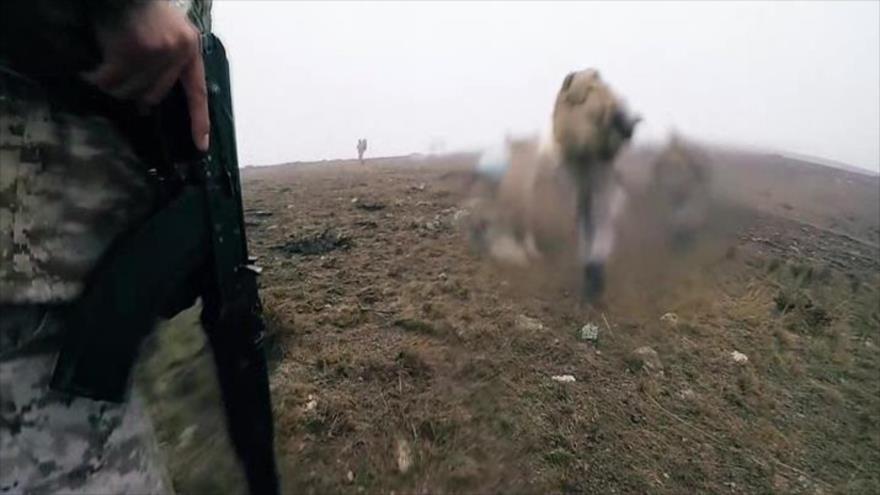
[{"x": 403, "y": 363}]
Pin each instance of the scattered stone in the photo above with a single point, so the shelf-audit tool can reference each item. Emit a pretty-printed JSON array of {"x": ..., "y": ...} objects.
[
  {"x": 670, "y": 319},
  {"x": 528, "y": 324},
  {"x": 687, "y": 394},
  {"x": 355, "y": 200},
  {"x": 312, "y": 403},
  {"x": 404, "y": 456},
  {"x": 646, "y": 359},
  {"x": 349, "y": 476},
  {"x": 589, "y": 333},
  {"x": 739, "y": 357},
  {"x": 563, "y": 378}
]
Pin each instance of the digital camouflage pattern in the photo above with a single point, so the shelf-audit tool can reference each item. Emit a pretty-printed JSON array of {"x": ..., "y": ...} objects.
[
  {"x": 51, "y": 443},
  {"x": 69, "y": 184}
]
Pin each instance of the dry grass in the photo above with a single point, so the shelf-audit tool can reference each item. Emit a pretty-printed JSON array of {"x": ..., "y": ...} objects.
[{"x": 406, "y": 342}]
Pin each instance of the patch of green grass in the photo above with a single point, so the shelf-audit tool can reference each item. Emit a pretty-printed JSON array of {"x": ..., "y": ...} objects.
[{"x": 559, "y": 457}]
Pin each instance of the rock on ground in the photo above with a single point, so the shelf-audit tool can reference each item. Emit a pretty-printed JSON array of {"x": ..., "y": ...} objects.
[{"x": 646, "y": 359}]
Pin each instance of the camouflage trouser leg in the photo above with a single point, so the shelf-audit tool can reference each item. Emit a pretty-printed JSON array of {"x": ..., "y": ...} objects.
[{"x": 50, "y": 443}]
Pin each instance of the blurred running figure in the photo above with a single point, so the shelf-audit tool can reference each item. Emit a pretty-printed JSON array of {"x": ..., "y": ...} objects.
[{"x": 590, "y": 125}]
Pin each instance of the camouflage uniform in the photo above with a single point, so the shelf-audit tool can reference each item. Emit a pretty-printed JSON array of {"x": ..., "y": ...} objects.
[{"x": 69, "y": 184}]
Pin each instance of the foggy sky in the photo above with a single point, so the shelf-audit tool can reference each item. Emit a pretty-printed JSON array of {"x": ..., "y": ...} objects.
[{"x": 311, "y": 78}]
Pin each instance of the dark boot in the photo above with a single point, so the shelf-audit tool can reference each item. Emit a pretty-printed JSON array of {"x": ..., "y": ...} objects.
[{"x": 594, "y": 282}]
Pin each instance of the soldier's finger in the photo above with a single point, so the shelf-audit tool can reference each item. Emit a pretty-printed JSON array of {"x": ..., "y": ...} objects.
[{"x": 193, "y": 80}]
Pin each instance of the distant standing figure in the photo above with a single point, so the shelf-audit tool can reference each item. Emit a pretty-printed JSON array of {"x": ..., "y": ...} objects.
[{"x": 361, "y": 147}]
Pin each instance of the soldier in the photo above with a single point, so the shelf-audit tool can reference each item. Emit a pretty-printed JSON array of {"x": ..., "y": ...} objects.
[
  {"x": 69, "y": 185},
  {"x": 361, "y": 148}
]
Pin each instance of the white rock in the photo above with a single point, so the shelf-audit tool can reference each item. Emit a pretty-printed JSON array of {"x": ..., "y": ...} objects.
[
  {"x": 563, "y": 378},
  {"x": 589, "y": 332},
  {"x": 404, "y": 456},
  {"x": 646, "y": 359},
  {"x": 687, "y": 394},
  {"x": 739, "y": 357},
  {"x": 312, "y": 403},
  {"x": 670, "y": 319}
]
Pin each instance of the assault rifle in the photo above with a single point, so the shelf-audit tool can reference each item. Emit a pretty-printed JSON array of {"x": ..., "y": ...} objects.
[{"x": 193, "y": 245}]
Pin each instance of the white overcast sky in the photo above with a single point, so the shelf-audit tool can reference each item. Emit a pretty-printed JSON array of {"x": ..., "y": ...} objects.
[{"x": 310, "y": 78}]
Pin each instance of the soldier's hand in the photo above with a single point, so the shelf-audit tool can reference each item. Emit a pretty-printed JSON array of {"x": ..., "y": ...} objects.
[{"x": 145, "y": 53}]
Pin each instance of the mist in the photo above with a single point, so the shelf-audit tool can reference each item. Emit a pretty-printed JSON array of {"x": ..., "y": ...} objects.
[{"x": 310, "y": 78}]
